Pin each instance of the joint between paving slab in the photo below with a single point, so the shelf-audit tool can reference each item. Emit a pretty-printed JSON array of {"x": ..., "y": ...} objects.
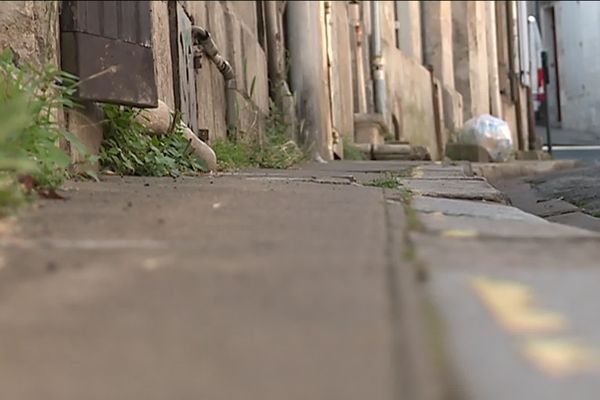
[{"x": 412, "y": 315}]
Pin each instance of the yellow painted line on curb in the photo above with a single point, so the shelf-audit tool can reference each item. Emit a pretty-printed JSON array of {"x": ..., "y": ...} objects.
[
  {"x": 458, "y": 233},
  {"x": 513, "y": 306},
  {"x": 560, "y": 357}
]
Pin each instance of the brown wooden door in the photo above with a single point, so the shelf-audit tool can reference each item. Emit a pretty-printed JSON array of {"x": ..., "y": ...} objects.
[{"x": 107, "y": 44}]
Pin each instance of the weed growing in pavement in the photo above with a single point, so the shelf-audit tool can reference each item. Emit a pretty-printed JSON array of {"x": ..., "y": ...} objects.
[
  {"x": 389, "y": 179},
  {"x": 581, "y": 204},
  {"x": 31, "y": 98},
  {"x": 388, "y": 182},
  {"x": 351, "y": 152},
  {"x": 127, "y": 150},
  {"x": 275, "y": 150}
]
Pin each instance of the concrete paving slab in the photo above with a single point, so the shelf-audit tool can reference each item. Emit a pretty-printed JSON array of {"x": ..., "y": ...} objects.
[
  {"x": 214, "y": 288},
  {"x": 469, "y": 208},
  {"x": 456, "y": 189},
  {"x": 513, "y": 169},
  {"x": 579, "y": 219},
  {"x": 439, "y": 172},
  {"x": 529, "y": 228},
  {"x": 554, "y": 207}
]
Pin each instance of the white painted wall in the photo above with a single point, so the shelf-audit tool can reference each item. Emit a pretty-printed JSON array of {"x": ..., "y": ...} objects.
[{"x": 578, "y": 44}]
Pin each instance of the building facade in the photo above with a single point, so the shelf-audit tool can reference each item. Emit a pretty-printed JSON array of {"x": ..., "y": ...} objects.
[
  {"x": 357, "y": 71},
  {"x": 573, "y": 90}
]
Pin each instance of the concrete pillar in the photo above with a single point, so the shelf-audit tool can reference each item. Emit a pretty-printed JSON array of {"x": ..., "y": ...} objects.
[
  {"x": 437, "y": 40},
  {"x": 492, "y": 58},
  {"x": 470, "y": 56},
  {"x": 408, "y": 14},
  {"x": 308, "y": 74}
]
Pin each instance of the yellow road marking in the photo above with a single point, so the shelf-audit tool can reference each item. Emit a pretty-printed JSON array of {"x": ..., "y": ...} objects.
[
  {"x": 459, "y": 233},
  {"x": 512, "y": 305},
  {"x": 559, "y": 357}
]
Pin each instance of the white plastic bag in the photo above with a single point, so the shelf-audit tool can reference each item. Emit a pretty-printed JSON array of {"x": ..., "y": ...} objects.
[{"x": 491, "y": 133}]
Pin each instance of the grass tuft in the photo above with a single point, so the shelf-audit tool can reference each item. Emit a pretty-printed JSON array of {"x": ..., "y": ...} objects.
[
  {"x": 351, "y": 152},
  {"x": 276, "y": 150}
]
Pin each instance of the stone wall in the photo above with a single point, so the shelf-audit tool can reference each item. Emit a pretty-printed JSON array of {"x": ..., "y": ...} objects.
[
  {"x": 342, "y": 96},
  {"x": 410, "y": 99},
  {"x": 470, "y": 56},
  {"x": 161, "y": 46},
  {"x": 30, "y": 29},
  {"x": 410, "y": 106}
]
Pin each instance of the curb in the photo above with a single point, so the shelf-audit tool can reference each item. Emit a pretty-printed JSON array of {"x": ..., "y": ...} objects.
[{"x": 514, "y": 169}]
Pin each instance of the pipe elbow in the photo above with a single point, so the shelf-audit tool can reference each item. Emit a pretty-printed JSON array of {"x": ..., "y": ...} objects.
[{"x": 200, "y": 34}]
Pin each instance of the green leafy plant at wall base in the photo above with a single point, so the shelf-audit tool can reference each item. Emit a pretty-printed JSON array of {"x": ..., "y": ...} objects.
[
  {"x": 127, "y": 150},
  {"x": 31, "y": 99}
]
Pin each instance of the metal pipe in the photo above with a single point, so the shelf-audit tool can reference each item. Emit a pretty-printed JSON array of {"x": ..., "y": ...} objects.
[
  {"x": 361, "y": 93},
  {"x": 546, "y": 102},
  {"x": 204, "y": 39},
  {"x": 377, "y": 59}
]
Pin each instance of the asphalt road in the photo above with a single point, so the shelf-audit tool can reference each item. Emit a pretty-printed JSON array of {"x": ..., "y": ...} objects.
[{"x": 572, "y": 145}]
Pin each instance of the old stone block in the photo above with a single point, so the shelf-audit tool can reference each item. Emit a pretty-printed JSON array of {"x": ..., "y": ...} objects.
[
  {"x": 255, "y": 70},
  {"x": 250, "y": 118},
  {"x": 532, "y": 155},
  {"x": 455, "y": 151},
  {"x": 234, "y": 52},
  {"x": 475, "y": 189},
  {"x": 453, "y": 110},
  {"x": 244, "y": 10},
  {"x": 161, "y": 46},
  {"x": 86, "y": 124},
  {"x": 369, "y": 128}
]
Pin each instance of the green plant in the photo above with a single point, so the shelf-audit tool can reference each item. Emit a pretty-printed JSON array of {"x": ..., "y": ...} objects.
[
  {"x": 581, "y": 203},
  {"x": 277, "y": 149},
  {"x": 351, "y": 152},
  {"x": 389, "y": 179},
  {"x": 31, "y": 98},
  {"x": 384, "y": 182},
  {"x": 234, "y": 155},
  {"x": 127, "y": 150},
  {"x": 273, "y": 149}
]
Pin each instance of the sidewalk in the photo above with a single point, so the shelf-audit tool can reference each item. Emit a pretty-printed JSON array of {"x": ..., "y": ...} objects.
[
  {"x": 299, "y": 284},
  {"x": 261, "y": 286}
]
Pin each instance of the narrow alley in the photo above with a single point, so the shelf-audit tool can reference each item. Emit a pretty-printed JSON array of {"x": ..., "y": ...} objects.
[{"x": 299, "y": 200}]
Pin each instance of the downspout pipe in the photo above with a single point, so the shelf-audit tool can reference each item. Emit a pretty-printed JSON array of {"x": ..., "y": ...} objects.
[
  {"x": 204, "y": 39},
  {"x": 377, "y": 59}
]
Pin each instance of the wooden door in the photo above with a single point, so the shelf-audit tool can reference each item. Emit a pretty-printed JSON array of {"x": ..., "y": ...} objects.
[{"x": 107, "y": 44}]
